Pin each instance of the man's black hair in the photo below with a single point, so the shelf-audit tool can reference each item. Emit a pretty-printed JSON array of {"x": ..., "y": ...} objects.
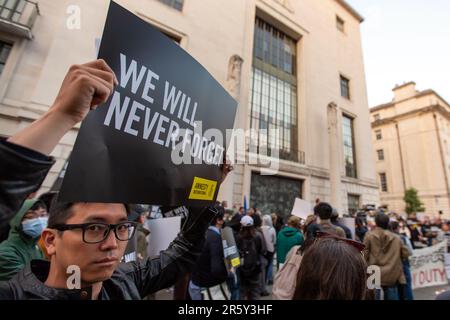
[
  {"x": 60, "y": 212},
  {"x": 393, "y": 225},
  {"x": 47, "y": 198},
  {"x": 38, "y": 205},
  {"x": 382, "y": 220},
  {"x": 323, "y": 210},
  {"x": 219, "y": 216}
]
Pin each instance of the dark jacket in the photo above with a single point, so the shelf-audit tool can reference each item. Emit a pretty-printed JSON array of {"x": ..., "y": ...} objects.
[
  {"x": 210, "y": 269},
  {"x": 22, "y": 172},
  {"x": 324, "y": 226},
  {"x": 19, "y": 248},
  {"x": 348, "y": 232}
]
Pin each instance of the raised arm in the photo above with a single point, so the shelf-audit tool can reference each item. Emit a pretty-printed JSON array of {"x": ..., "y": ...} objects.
[
  {"x": 84, "y": 88},
  {"x": 24, "y": 160}
]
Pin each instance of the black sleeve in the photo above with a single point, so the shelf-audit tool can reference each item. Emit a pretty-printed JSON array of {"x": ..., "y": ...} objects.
[
  {"x": 218, "y": 269},
  {"x": 154, "y": 274},
  {"x": 22, "y": 172}
]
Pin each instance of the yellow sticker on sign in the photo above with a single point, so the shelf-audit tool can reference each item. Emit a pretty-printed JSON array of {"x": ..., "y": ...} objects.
[
  {"x": 236, "y": 262},
  {"x": 203, "y": 189}
]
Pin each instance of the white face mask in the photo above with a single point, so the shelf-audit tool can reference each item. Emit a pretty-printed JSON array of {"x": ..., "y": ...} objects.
[{"x": 34, "y": 227}]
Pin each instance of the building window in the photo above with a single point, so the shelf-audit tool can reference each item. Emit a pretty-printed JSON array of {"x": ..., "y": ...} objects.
[
  {"x": 340, "y": 24},
  {"x": 378, "y": 134},
  {"x": 376, "y": 117},
  {"x": 11, "y": 9},
  {"x": 176, "y": 4},
  {"x": 380, "y": 154},
  {"x": 383, "y": 182},
  {"x": 5, "y": 49},
  {"x": 349, "y": 150},
  {"x": 345, "y": 87},
  {"x": 273, "y": 91},
  {"x": 353, "y": 203}
]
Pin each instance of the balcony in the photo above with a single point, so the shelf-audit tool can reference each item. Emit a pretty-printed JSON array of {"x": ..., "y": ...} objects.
[{"x": 17, "y": 17}]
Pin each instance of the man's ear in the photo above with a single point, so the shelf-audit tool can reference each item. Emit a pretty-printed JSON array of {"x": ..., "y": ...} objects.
[{"x": 49, "y": 237}]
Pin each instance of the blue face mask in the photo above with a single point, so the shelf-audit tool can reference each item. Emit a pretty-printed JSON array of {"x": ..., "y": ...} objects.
[{"x": 34, "y": 227}]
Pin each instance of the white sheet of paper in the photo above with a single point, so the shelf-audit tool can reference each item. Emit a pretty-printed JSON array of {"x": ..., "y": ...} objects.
[
  {"x": 162, "y": 233},
  {"x": 302, "y": 208},
  {"x": 349, "y": 223}
]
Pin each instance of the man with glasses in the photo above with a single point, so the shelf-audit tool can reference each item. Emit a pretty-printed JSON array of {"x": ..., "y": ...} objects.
[{"x": 84, "y": 241}]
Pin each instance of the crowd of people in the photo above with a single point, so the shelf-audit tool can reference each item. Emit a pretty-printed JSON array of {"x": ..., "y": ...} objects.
[
  {"x": 329, "y": 259},
  {"x": 42, "y": 239}
]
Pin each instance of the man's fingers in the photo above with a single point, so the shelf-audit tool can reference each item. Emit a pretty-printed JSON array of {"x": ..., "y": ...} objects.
[
  {"x": 102, "y": 65},
  {"x": 105, "y": 75},
  {"x": 102, "y": 81},
  {"x": 101, "y": 93},
  {"x": 99, "y": 88}
]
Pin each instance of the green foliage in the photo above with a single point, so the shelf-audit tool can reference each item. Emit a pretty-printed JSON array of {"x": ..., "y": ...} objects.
[{"x": 412, "y": 201}]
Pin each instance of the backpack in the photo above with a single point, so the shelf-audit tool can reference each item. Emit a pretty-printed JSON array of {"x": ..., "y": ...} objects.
[
  {"x": 285, "y": 279},
  {"x": 250, "y": 260}
]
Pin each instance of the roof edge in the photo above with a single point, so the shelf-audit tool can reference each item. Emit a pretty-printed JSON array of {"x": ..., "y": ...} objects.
[{"x": 351, "y": 10}]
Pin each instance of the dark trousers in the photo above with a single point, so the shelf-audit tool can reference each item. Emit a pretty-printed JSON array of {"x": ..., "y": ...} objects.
[{"x": 250, "y": 287}]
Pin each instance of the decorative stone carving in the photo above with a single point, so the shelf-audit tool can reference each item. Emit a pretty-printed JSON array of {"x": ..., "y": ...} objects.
[{"x": 234, "y": 76}]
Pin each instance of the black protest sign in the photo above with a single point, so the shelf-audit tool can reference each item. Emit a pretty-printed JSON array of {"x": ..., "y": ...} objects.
[{"x": 160, "y": 137}]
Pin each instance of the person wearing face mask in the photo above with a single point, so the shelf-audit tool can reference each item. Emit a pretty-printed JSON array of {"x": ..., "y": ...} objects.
[{"x": 21, "y": 246}]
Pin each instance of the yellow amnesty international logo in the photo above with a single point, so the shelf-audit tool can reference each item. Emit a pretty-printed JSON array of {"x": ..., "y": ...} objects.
[
  {"x": 236, "y": 262},
  {"x": 202, "y": 189}
]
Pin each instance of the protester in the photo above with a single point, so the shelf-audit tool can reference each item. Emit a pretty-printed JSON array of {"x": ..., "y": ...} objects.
[
  {"x": 235, "y": 221},
  {"x": 334, "y": 220},
  {"x": 210, "y": 269},
  {"x": 257, "y": 223},
  {"x": 323, "y": 210},
  {"x": 332, "y": 268},
  {"x": 288, "y": 237},
  {"x": 270, "y": 238},
  {"x": 21, "y": 246},
  {"x": 253, "y": 213},
  {"x": 386, "y": 250},
  {"x": 139, "y": 214},
  {"x": 227, "y": 216},
  {"x": 48, "y": 198},
  {"x": 405, "y": 290},
  {"x": 277, "y": 222},
  {"x": 250, "y": 247},
  {"x": 425, "y": 230},
  {"x": 312, "y": 218},
  {"x": 360, "y": 229},
  {"x": 79, "y": 234}
]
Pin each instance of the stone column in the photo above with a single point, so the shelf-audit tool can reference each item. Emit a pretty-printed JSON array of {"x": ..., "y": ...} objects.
[
  {"x": 233, "y": 85},
  {"x": 335, "y": 157}
]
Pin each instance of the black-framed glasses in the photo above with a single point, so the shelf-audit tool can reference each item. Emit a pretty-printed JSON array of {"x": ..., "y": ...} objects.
[{"x": 95, "y": 232}]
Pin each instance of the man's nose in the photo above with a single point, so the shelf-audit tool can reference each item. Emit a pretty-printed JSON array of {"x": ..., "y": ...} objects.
[{"x": 110, "y": 242}]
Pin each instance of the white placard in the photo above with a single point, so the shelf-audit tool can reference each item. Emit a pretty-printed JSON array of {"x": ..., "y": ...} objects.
[
  {"x": 162, "y": 233},
  {"x": 428, "y": 266},
  {"x": 349, "y": 223},
  {"x": 302, "y": 208}
]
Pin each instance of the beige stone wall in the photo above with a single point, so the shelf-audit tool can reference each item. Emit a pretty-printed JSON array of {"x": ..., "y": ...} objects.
[
  {"x": 211, "y": 32},
  {"x": 425, "y": 168}
]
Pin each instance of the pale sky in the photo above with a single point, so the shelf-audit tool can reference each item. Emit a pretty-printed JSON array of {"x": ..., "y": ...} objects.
[{"x": 405, "y": 40}]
